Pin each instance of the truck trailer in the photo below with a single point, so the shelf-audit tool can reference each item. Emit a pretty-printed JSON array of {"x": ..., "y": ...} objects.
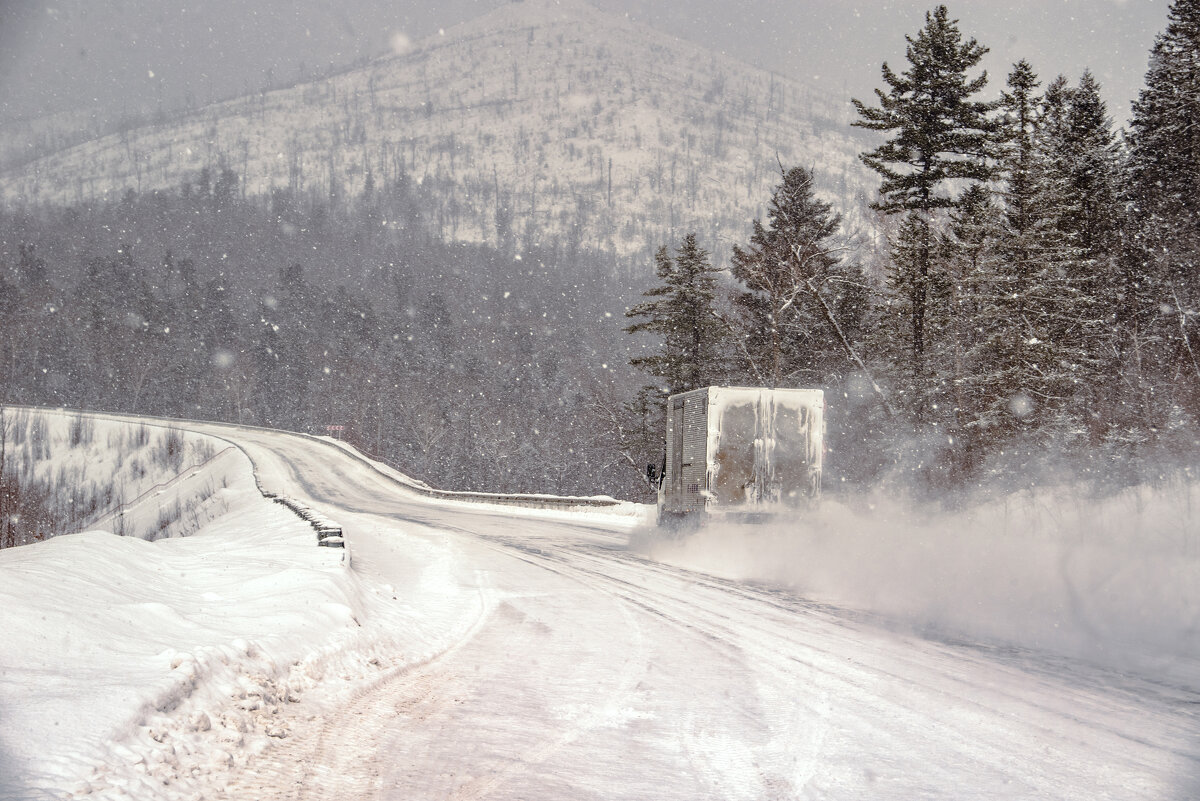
[{"x": 743, "y": 452}]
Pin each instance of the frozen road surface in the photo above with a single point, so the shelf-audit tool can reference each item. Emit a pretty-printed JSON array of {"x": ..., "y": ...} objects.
[{"x": 579, "y": 669}]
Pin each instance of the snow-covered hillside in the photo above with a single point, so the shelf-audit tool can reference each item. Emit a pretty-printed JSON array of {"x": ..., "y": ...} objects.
[
  {"x": 541, "y": 118},
  {"x": 71, "y": 472}
]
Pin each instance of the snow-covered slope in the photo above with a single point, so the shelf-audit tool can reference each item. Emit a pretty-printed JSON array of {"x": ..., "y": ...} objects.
[
  {"x": 155, "y": 670},
  {"x": 543, "y": 117},
  {"x": 76, "y": 472}
]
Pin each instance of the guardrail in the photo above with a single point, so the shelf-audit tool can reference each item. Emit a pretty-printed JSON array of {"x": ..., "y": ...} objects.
[{"x": 329, "y": 534}]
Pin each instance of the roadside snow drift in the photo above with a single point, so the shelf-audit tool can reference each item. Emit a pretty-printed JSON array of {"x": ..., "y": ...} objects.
[
  {"x": 136, "y": 669},
  {"x": 104, "y": 634}
]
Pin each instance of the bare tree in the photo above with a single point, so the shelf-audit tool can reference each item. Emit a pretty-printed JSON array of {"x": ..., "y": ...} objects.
[{"x": 6, "y": 503}]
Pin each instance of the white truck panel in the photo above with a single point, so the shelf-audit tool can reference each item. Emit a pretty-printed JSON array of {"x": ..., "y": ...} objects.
[{"x": 742, "y": 450}]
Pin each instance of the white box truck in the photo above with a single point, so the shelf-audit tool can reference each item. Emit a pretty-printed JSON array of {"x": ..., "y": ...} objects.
[{"x": 741, "y": 451}]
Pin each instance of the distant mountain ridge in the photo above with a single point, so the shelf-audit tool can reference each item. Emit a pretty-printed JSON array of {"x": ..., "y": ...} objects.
[{"x": 542, "y": 118}]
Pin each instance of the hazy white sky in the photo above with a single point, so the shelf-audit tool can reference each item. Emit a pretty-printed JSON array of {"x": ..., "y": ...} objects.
[{"x": 125, "y": 54}]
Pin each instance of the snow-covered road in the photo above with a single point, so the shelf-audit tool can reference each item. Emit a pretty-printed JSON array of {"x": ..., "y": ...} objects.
[{"x": 574, "y": 668}]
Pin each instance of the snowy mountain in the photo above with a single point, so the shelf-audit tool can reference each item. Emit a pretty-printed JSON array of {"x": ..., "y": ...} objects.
[{"x": 541, "y": 118}]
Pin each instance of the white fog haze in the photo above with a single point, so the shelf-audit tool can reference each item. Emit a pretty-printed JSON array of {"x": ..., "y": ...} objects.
[
  {"x": 1045, "y": 571},
  {"x": 599, "y": 399}
]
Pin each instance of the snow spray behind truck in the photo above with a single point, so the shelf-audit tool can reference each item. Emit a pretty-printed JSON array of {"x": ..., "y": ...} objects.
[{"x": 741, "y": 451}]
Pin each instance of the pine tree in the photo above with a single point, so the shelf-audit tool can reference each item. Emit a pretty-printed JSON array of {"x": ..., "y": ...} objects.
[
  {"x": 1164, "y": 142},
  {"x": 975, "y": 369},
  {"x": 793, "y": 326},
  {"x": 911, "y": 321},
  {"x": 1002, "y": 380},
  {"x": 1161, "y": 279},
  {"x": 1092, "y": 166},
  {"x": 939, "y": 132},
  {"x": 939, "y": 135},
  {"x": 1086, "y": 160},
  {"x": 1048, "y": 315},
  {"x": 681, "y": 313},
  {"x": 690, "y": 355},
  {"x": 1042, "y": 314},
  {"x": 1019, "y": 126},
  {"x": 1005, "y": 388}
]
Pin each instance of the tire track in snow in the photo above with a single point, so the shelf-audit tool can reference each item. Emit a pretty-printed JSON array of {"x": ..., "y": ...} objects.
[
  {"x": 730, "y": 769},
  {"x": 927, "y": 700},
  {"x": 338, "y": 760},
  {"x": 631, "y": 671}
]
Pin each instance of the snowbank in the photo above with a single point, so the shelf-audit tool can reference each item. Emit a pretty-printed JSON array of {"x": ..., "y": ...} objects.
[
  {"x": 136, "y": 669},
  {"x": 106, "y": 634},
  {"x": 1115, "y": 581}
]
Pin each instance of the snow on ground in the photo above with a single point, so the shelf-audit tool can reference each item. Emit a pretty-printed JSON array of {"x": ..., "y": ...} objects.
[
  {"x": 471, "y": 651},
  {"x": 134, "y": 669},
  {"x": 591, "y": 672},
  {"x": 1114, "y": 581}
]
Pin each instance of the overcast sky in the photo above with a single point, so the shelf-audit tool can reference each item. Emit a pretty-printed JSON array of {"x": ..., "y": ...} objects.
[{"x": 125, "y": 54}]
